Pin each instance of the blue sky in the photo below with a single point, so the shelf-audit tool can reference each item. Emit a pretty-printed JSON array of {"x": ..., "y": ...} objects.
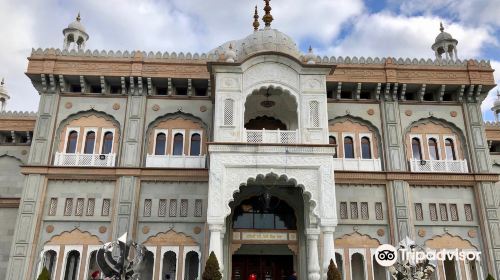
[{"x": 395, "y": 28}]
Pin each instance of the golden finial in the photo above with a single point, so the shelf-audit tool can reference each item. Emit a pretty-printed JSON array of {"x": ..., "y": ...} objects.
[
  {"x": 256, "y": 23},
  {"x": 441, "y": 26},
  {"x": 78, "y": 18},
  {"x": 267, "y": 18}
]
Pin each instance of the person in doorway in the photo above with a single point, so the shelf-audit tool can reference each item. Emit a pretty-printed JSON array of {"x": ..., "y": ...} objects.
[
  {"x": 293, "y": 276},
  {"x": 167, "y": 276}
]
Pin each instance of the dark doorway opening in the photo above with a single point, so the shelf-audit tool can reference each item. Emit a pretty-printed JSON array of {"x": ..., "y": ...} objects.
[{"x": 263, "y": 266}]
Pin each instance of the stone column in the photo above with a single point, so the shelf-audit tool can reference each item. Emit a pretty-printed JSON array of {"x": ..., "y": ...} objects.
[
  {"x": 216, "y": 235},
  {"x": 313, "y": 268},
  {"x": 328, "y": 248}
]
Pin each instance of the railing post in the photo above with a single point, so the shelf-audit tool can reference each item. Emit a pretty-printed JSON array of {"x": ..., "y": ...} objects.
[
  {"x": 446, "y": 167},
  {"x": 77, "y": 159}
]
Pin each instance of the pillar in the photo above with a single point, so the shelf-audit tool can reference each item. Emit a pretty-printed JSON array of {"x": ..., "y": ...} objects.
[
  {"x": 328, "y": 248},
  {"x": 313, "y": 268},
  {"x": 216, "y": 235}
]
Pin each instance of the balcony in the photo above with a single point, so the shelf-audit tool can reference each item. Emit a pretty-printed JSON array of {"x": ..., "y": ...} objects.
[
  {"x": 272, "y": 136},
  {"x": 454, "y": 166},
  {"x": 357, "y": 164},
  {"x": 170, "y": 161},
  {"x": 105, "y": 160}
]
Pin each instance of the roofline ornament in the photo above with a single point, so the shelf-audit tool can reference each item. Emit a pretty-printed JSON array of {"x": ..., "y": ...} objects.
[
  {"x": 267, "y": 18},
  {"x": 256, "y": 23}
]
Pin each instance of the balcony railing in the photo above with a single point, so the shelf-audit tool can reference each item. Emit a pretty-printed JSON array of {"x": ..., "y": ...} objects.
[
  {"x": 272, "y": 136},
  {"x": 64, "y": 159},
  {"x": 175, "y": 161},
  {"x": 357, "y": 164},
  {"x": 457, "y": 166}
]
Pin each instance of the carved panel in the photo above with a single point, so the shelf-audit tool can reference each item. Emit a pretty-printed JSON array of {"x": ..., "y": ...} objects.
[
  {"x": 356, "y": 240},
  {"x": 170, "y": 237},
  {"x": 448, "y": 241},
  {"x": 271, "y": 72},
  {"x": 74, "y": 237}
]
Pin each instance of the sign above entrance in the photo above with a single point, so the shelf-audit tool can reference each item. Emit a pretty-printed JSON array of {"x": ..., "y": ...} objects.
[{"x": 264, "y": 236}]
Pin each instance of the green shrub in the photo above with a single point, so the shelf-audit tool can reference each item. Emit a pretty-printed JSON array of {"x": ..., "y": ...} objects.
[
  {"x": 212, "y": 269},
  {"x": 490, "y": 277},
  {"x": 44, "y": 275},
  {"x": 333, "y": 272}
]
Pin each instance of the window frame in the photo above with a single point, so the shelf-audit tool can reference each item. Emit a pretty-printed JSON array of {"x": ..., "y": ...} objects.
[
  {"x": 335, "y": 135},
  {"x": 191, "y": 132},
  {"x": 353, "y": 137},
  {"x": 84, "y": 140},
  {"x": 438, "y": 148},
  {"x": 370, "y": 139},
  {"x": 419, "y": 137},
  {"x": 103, "y": 133},
  {"x": 68, "y": 130},
  {"x": 454, "y": 147},
  {"x": 156, "y": 132},
  {"x": 172, "y": 141}
]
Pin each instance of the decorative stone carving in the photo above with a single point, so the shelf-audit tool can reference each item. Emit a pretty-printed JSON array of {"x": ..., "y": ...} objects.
[
  {"x": 68, "y": 105},
  {"x": 275, "y": 73},
  {"x": 203, "y": 108},
  {"x": 408, "y": 112},
  {"x": 380, "y": 232},
  {"x": 472, "y": 233},
  {"x": 102, "y": 229},
  {"x": 116, "y": 106},
  {"x": 453, "y": 114},
  {"x": 155, "y": 107},
  {"x": 170, "y": 237},
  {"x": 49, "y": 229},
  {"x": 145, "y": 229},
  {"x": 421, "y": 232},
  {"x": 370, "y": 112},
  {"x": 24, "y": 152},
  {"x": 197, "y": 230},
  {"x": 448, "y": 241},
  {"x": 75, "y": 237},
  {"x": 356, "y": 240}
]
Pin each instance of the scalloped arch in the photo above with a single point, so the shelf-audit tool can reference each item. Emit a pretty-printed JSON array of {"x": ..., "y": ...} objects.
[
  {"x": 74, "y": 237},
  {"x": 11, "y": 156},
  {"x": 170, "y": 237},
  {"x": 356, "y": 240}
]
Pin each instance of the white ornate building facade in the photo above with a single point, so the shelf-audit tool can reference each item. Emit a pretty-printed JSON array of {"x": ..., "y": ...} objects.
[{"x": 272, "y": 159}]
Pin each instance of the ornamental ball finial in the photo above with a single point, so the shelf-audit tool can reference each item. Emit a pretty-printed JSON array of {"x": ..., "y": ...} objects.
[
  {"x": 267, "y": 18},
  {"x": 256, "y": 23}
]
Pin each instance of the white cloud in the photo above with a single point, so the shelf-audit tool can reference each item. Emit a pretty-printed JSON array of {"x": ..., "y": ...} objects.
[{"x": 385, "y": 34}]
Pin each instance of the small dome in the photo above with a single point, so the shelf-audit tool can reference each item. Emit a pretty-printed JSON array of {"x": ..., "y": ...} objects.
[
  {"x": 3, "y": 91},
  {"x": 443, "y": 36},
  {"x": 77, "y": 24},
  {"x": 262, "y": 40}
]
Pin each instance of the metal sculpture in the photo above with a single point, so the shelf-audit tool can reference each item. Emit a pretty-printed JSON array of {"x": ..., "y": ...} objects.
[{"x": 410, "y": 267}]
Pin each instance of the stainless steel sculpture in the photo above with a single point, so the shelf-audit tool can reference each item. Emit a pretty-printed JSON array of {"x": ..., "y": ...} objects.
[
  {"x": 411, "y": 268},
  {"x": 121, "y": 259}
]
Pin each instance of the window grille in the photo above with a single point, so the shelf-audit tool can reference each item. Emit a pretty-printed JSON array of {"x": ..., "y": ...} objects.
[
  {"x": 198, "y": 208},
  {"x": 314, "y": 113},
  {"x": 184, "y": 208},
  {"x": 53, "y": 206},
  {"x": 90, "y": 206},
  {"x": 162, "y": 208},
  {"x": 68, "y": 207},
  {"x": 228, "y": 112},
  {"x": 343, "y": 210},
  {"x": 433, "y": 211},
  {"x": 379, "y": 212},
  {"x": 468, "y": 212},
  {"x": 79, "y": 207},
  {"x": 364, "y": 211},
  {"x": 106, "y": 205},
  {"x": 443, "y": 212},
  {"x": 419, "y": 212},
  {"x": 172, "y": 211},
  {"x": 354, "y": 210},
  {"x": 147, "y": 207},
  {"x": 454, "y": 212}
]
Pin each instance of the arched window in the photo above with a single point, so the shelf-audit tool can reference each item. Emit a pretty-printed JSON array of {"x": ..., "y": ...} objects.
[
  {"x": 450, "y": 149},
  {"x": 49, "y": 262},
  {"x": 264, "y": 212},
  {"x": 340, "y": 264},
  {"x": 228, "y": 112},
  {"x": 366, "y": 152},
  {"x": 450, "y": 270},
  {"x": 72, "y": 265},
  {"x": 358, "y": 267},
  {"x": 169, "y": 266},
  {"x": 416, "y": 148},
  {"x": 148, "y": 266},
  {"x": 195, "y": 148},
  {"x": 191, "y": 267},
  {"x": 333, "y": 141},
  {"x": 107, "y": 144},
  {"x": 178, "y": 144},
  {"x": 71, "y": 143},
  {"x": 378, "y": 270},
  {"x": 93, "y": 268},
  {"x": 161, "y": 141},
  {"x": 89, "y": 143},
  {"x": 433, "y": 149},
  {"x": 348, "y": 147}
]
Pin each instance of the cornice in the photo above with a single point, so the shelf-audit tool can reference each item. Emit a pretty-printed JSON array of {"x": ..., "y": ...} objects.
[
  {"x": 418, "y": 178},
  {"x": 9, "y": 202}
]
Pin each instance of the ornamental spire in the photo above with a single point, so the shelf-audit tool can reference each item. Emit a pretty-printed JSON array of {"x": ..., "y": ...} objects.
[
  {"x": 78, "y": 18},
  {"x": 441, "y": 27},
  {"x": 256, "y": 23},
  {"x": 267, "y": 18}
]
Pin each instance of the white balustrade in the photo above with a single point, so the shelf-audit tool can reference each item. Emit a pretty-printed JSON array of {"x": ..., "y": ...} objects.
[
  {"x": 456, "y": 166},
  {"x": 272, "y": 136},
  {"x": 357, "y": 164},
  {"x": 73, "y": 159},
  {"x": 175, "y": 161}
]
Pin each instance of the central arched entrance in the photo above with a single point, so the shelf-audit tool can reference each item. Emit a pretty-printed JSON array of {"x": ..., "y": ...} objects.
[{"x": 265, "y": 230}]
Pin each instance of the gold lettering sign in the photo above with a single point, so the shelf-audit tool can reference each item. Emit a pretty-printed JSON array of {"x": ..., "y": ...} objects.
[{"x": 274, "y": 236}]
